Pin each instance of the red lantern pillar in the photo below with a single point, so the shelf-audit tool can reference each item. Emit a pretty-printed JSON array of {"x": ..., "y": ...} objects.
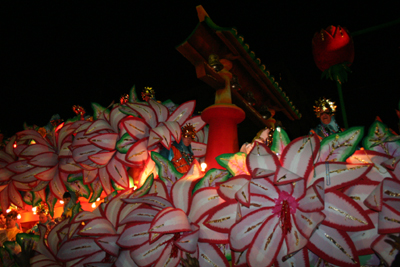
[
  {"x": 222, "y": 135},
  {"x": 223, "y": 118}
]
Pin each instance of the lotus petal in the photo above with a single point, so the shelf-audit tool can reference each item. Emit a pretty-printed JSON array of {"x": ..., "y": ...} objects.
[
  {"x": 136, "y": 127},
  {"x": 211, "y": 254},
  {"x": 76, "y": 248}
]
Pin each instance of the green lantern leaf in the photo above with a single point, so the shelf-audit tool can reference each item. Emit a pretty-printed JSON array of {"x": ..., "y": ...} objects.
[
  {"x": 234, "y": 163},
  {"x": 379, "y": 138},
  {"x": 166, "y": 170},
  {"x": 280, "y": 140},
  {"x": 98, "y": 110},
  {"x": 97, "y": 189},
  {"x": 78, "y": 186},
  {"x": 340, "y": 146},
  {"x": 28, "y": 198},
  {"x": 51, "y": 201},
  {"x": 145, "y": 188},
  {"x": 74, "y": 177},
  {"x": 124, "y": 143},
  {"x": 212, "y": 177}
]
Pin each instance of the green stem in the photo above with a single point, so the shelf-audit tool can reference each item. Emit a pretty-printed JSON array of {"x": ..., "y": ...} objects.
[{"x": 339, "y": 87}]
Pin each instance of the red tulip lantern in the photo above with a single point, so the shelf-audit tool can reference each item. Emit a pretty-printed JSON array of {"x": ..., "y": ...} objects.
[{"x": 332, "y": 46}]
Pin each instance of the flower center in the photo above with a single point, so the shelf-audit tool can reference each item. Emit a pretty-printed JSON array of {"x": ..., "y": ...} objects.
[
  {"x": 174, "y": 250},
  {"x": 285, "y": 205}
]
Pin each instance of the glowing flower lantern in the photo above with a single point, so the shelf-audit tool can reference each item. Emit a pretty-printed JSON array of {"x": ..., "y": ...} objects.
[{"x": 332, "y": 46}]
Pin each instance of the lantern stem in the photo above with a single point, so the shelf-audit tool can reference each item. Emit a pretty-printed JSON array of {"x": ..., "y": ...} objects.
[{"x": 339, "y": 87}]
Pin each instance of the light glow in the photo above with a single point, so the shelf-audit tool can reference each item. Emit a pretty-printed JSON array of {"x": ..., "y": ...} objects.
[
  {"x": 19, "y": 216},
  {"x": 61, "y": 202},
  {"x": 94, "y": 205},
  {"x": 278, "y": 129},
  {"x": 203, "y": 166},
  {"x": 8, "y": 210},
  {"x": 98, "y": 199}
]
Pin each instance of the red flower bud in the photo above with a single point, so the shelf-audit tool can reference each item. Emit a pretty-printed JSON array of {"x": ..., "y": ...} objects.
[{"x": 332, "y": 46}]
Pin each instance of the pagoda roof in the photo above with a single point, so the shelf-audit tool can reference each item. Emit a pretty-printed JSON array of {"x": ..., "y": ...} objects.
[{"x": 258, "y": 87}]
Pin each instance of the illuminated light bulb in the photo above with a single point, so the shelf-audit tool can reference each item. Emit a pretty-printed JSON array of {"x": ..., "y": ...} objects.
[
  {"x": 203, "y": 166},
  {"x": 61, "y": 202},
  {"x": 8, "y": 210},
  {"x": 98, "y": 199},
  {"x": 19, "y": 216},
  {"x": 278, "y": 129},
  {"x": 94, "y": 205},
  {"x": 33, "y": 142},
  {"x": 15, "y": 145}
]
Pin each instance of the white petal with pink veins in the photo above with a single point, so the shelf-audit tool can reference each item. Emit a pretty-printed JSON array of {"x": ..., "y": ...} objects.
[
  {"x": 389, "y": 217},
  {"x": 338, "y": 175},
  {"x": 257, "y": 202},
  {"x": 31, "y": 134},
  {"x": 299, "y": 258},
  {"x": 105, "y": 141},
  {"x": 53, "y": 239},
  {"x": 344, "y": 214},
  {"x": 204, "y": 200},
  {"x": 243, "y": 195},
  {"x": 98, "y": 226},
  {"x": 211, "y": 236},
  {"x": 117, "y": 171},
  {"x": 69, "y": 165},
  {"x": 147, "y": 254},
  {"x": 136, "y": 127},
  {"x": 391, "y": 163},
  {"x": 243, "y": 232},
  {"x": 124, "y": 259},
  {"x": 145, "y": 214},
  {"x": 108, "y": 244},
  {"x": 388, "y": 188},
  {"x": 115, "y": 118},
  {"x": 261, "y": 157},
  {"x": 163, "y": 133},
  {"x": 263, "y": 186},
  {"x": 229, "y": 188},
  {"x": 36, "y": 149},
  {"x": 81, "y": 139},
  {"x": 222, "y": 217},
  {"x": 15, "y": 196},
  {"x": 378, "y": 172},
  {"x": 298, "y": 157},
  {"x": 89, "y": 176},
  {"x": 152, "y": 200},
  {"x": 182, "y": 189},
  {"x": 266, "y": 244},
  {"x": 171, "y": 221},
  {"x": 48, "y": 159},
  {"x": 187, "y": 242},
  {"x": 159, "y": 188},
  {"x": 210, "y": 254},
  {"x": 175, "y": 130},
  {"x": 57, "y": 187},
  {"x": 333, "y": 246},
  {"x": 197, "y": 123},
  {"x": 29, "y": 176},
  {"x": 76, "y": 248},
  {"x": 98, "y": 125},
  {"x": 137, "y": 153},
  {"x": 146, "y": 112},
  {"x": 134, "y": 235},
  {"x": 81, "y": 154},
  {"x": 306, "y": 222},
  {"x": 160, "y": 110},
  {"x": 360, "y": 191},
  {"x": 285, "y": 176},
  {"x": 385, "y": 250},
  {"x": 105, "y": 180},
  {"x": 363, "y": 239},
  {"x": 183, "y": 112},
  {"x": 199, "y": 149},
  {"x": 311, "y": 201},
  {"x": 19, "y": 166}
]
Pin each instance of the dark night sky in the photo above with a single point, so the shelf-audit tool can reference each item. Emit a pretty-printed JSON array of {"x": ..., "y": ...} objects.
[{"x": 61, "y": 53}]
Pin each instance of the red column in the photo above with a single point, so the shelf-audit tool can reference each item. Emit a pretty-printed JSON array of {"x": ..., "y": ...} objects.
[{"x": 222, "y": 136}]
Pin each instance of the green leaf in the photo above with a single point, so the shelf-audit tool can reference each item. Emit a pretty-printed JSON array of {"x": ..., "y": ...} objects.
[
  {"x": 280, "y": 140},
  {"x": 51, "y": 201},
  {"x": 124, "y": 143},
  {"x": 377, "y": 140},
  {"x": 235, "y": 163},
  {"x": 97, "y": 189},
  {"x": 78, "y": 186},
  {"x": 212, "y": 177},
  {"x": 98, "y": 110},
  {"x": 340, "y": 146},
  {"x": 145, "y": 188},
  {"x": 74, "y": 177},
  {"x": 166, "y": 170}
]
